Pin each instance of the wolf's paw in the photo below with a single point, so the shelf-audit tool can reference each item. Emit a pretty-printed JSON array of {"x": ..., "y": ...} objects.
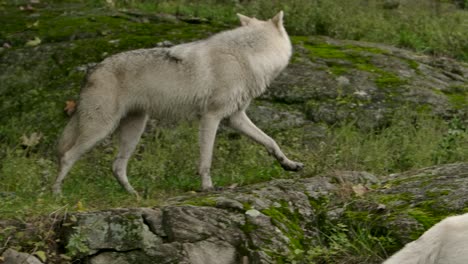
[
  {"x": 292, "y": 166},
  {"x": 57, "y": 191}
]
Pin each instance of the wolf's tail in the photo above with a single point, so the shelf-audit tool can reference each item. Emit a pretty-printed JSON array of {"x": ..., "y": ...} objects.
[{"x": 69, "y": 135}]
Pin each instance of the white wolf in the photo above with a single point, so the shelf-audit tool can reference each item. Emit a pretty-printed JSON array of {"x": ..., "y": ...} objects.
[
  {"x": 212, "y": 79},
  {"x": 444, "y": 243}
]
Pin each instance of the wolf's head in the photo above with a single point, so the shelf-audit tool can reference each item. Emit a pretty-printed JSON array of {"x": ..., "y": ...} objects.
[
  {"x": 267, "y": 43},
  {"x": 273, "y": 27},
  {"x": 276, "y": 21}
]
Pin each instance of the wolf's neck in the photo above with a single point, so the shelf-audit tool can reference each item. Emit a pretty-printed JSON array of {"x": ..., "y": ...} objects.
[{"x": 269, "y": 63}]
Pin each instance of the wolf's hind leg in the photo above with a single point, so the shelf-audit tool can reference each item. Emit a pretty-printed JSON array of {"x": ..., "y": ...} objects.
[
  {"x": 208, "y": 126},
  {"x": 90, "y": 132},
  {"x": 130, "y": 130},
  {"x": 241, "y": 122}
]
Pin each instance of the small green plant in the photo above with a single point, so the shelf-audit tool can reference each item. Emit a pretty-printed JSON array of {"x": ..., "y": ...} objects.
[
  {"x": 453, "y": 142},
  {"x": 76, "y": 245}
]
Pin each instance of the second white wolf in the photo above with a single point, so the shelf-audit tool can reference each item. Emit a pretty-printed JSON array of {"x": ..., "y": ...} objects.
[
  {"x": 444, "y": 243},
  {"x": 211, "y": 79}
]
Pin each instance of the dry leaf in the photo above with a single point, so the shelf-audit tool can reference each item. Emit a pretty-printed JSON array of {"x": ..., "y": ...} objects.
[
  {"x": 32, "y": 140},
  {"x": 80, "y": 207},
  {"x": 7, "y": 45},
  {"x": 360, "y": 190},
  {"x": 34, "y": 42},
  {"x": 381, "y": 207},
  {"x": 70, "y": 107},
  {"x": 41, "y": 255}
]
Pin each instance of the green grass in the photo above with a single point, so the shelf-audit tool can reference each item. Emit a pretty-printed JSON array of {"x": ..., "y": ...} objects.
[
  {"x": 411, "y": 140},
  {"x": 420, "y": 25},
  {"x": 165, "y": 162}
]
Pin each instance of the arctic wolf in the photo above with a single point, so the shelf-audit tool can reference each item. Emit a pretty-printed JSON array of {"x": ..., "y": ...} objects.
[
  {"x": 444, "y": 243},
  {"x": 210, "y": 79}
]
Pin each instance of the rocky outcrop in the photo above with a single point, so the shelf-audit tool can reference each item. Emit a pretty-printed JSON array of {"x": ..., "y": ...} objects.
[
  {"x": 338, "y": 80},
  {"x": 270, "y": 222}
]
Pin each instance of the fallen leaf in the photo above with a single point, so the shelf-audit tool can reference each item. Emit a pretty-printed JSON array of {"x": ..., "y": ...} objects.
[
  {"x": 70, "y": 107},
  {"x": 80, "y": 206},
  {"x": 381, "y": 207},
  {"x": 41, "y": 255},
  {"x": 7, "y": 45},
  {"x": 34, "y": 42},
  {"x": 360, "y": 190},
  {"x": 32, "y": 140}
]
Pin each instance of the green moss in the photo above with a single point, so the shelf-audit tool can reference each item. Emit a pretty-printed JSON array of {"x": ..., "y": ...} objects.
[
  {"x": 437, "y": 193},
  {"x": 288, "y": 223},
  {"x": 339, "y": 70},
  {"x": 400, "y": 199},
  {"x": 419, "y": 177},
  {"x": 413, "y": 64},
  {"x": 458, "y": 101},
  {"x": 247, "y": 206},
  {"x": 326, "y": 51},
  {"x": 426, "y": 219},
  {"x": 387, "y": 80},
  {"x": 248, "y": 227},
  {"x": 365, "y": 49},
  {"x": 457, "y": 95},
  {"x": 353, "y": 55},
  {"x": 367, "y": 67}
]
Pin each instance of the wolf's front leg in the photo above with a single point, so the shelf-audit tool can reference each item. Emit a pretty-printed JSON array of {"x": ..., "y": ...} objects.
[
  {"x": 241, "y": 122},
  {"x": 208, "y": 126}
]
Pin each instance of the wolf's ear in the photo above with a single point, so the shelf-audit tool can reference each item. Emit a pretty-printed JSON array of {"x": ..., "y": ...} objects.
[
  {"x": 278, "y": 19},
  {"x": 245, "y": 20}
]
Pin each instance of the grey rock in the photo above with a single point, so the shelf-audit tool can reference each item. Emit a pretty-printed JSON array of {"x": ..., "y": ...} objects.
[
  {"x": 11, "y": 256},
  {"x": 223, "y": 202},
  {"x": 356, "y": 177},
  {"x": 191, "y": 224},
  {"x": 367, "y": 83},
  {"x": 205, "y": 252},
  {"x": 153, "y": 218},
  {"x": 280, "y": 218},
  {"x": 122, "y": 230}
]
